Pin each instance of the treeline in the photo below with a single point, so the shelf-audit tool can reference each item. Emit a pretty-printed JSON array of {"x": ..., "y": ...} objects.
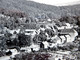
[
  {"x": 12, "y": 13},
  {"x": 71, "y": 19},
  {"x": 32, "y": 8}
]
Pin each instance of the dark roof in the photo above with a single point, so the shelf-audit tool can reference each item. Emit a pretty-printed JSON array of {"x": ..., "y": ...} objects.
[
  {"x": 58, "y": 24},
  {"x": 30, "y": 26}
]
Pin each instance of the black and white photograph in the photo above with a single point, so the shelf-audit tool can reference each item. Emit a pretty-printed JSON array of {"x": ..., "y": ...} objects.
[{"x": 39, "y": 29}]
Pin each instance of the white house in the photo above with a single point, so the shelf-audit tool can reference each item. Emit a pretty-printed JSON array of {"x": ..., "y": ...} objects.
[
  {"x": 64, "y": 26},
  {"x": 68, "y": 38},
  {"x": 63, "y": 39}
]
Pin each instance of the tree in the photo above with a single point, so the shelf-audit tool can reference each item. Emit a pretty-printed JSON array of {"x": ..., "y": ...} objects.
[{"x": 24, "y": 40}]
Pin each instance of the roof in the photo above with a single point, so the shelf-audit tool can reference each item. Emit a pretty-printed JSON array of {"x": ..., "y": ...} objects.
[
  {"x": 58, "y": 24},
  {"x": 30, "y": 26},
  {"x": 66, "y": 31},
  {"x": 64, "y": 24}
]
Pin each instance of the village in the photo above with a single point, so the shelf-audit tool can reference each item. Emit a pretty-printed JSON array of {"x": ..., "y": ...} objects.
[{"x": 43, "y": 35}]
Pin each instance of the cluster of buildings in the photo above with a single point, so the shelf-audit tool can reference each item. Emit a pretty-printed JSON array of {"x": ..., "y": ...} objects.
[
  {"x": 43, "y": 34},
  {"x": 62, "y": 33}
]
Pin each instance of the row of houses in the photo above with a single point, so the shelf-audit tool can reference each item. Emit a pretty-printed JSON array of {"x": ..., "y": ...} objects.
[{"x": 66, "y": 31}]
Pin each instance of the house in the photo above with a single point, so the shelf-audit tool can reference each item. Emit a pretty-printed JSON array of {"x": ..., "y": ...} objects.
[
  {"x": 46, "y": 44},
  {"x": 63, "y": 39},
  {"x": 68, "y": 38},
  {"x": 66, "y": 31},
  {"x": 15, "y": 30},
  {"x": 29, "y": 48},
  {"x": 69, "y": 33},
  {"x": 56, "y": 40},
  {"x": 63, "y": 25},
  {"x": 30, "y": 32},
  {"x": 69, "y": 26},
  {"x": 58, "y": 26}
]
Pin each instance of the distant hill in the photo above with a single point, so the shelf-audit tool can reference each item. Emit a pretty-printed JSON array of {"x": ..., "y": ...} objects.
[{"x": 34, "y": 9}]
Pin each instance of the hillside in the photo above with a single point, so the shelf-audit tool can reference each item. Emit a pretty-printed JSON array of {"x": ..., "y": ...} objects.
[{"x": 33, "y": 9}]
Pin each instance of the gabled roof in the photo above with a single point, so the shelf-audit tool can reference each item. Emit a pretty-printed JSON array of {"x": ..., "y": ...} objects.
[
  {"x": 66, "y": 31},
  {"x": 30, "y": 26},
  {"x": 64, "y": 24}
]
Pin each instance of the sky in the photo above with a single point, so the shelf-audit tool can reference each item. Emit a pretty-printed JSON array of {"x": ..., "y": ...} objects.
[{"x": 58, "y": 2}]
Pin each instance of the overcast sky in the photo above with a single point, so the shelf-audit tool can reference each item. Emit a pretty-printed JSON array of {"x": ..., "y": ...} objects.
[{"x": 58, "y": 2}]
